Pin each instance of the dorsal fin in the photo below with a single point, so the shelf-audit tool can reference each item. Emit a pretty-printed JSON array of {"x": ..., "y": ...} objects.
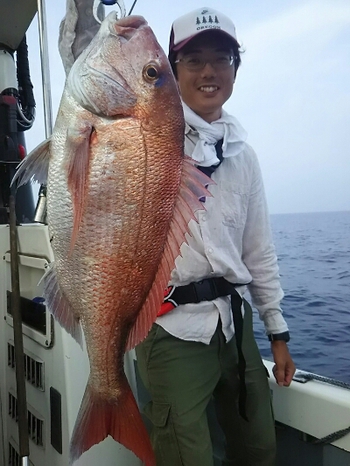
[{"x": 190, "y": 190}]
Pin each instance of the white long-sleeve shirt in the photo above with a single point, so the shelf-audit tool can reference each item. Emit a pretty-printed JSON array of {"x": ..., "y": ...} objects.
[{"x": 232, "y": 239}]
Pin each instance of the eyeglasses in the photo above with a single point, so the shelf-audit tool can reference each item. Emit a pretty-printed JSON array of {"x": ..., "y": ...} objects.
[{"x": 197, "y": 63}]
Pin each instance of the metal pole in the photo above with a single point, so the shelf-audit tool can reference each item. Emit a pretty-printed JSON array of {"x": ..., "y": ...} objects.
[
  {"x": 45, "y": 76},
  {"x": 45, "y": 68},
  {"x": 18, "y": 337},
  {"x": 2, "y": 439}
]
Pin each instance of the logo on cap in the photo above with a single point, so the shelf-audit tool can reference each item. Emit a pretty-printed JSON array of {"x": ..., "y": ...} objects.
[{"x": 207, "y": 21}]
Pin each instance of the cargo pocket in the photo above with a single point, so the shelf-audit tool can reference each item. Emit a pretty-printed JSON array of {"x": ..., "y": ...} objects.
[
  {"x": 143, "y": 351},
  {"x": 163, "y": 434},
  {"x": 158, "y": 413}
]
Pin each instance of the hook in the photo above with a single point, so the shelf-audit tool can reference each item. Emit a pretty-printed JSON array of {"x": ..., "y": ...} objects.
[{"x": 120, "y": 4}]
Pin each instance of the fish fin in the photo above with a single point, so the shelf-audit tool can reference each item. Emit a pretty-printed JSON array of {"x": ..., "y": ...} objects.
[
  {"x": 192, "y": 188},
  {"x": 35, "y": 166},
  {"x": 78, "y": 158},
  {"x": 120, "y": 418},
  {"x": 59, "y": 306},
  {"x": 195, "y": 179}
]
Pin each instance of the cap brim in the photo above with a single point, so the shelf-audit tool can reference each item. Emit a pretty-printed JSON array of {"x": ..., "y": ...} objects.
[{"x": 181, "y": 44}]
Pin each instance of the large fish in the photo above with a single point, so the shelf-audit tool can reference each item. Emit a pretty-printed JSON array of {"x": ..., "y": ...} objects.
[{"x": 120, "y": 196}]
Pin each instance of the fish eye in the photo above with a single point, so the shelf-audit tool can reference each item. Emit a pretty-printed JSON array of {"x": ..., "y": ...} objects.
[{"x": 150, "y": 72}]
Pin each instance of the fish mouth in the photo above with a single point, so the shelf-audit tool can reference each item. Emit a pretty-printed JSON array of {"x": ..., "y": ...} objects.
[
  {"x": 128, "y": 26},
  {"x": 132, "y": 22},
  {"x": 95, "y": 81},
  {"x": 104, "y": 79}
]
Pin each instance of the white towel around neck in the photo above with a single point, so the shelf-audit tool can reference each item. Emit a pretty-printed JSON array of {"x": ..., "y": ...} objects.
[{"x": 227, "y": 128}]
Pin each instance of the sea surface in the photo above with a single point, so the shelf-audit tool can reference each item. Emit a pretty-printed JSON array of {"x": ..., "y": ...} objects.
[{"x": 314, "y": 260}]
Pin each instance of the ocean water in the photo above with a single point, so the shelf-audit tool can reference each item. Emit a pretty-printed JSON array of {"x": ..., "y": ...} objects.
[{"x": 314, "y": 260}]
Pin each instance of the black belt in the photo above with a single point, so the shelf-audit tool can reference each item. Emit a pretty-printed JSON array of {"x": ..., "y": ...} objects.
[
  {"x": 204, "y": 290},
  {"x": 209, "y": 289}
]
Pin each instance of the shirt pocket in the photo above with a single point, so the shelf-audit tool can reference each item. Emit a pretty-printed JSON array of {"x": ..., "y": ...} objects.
[{"x": 234, "y": 204}]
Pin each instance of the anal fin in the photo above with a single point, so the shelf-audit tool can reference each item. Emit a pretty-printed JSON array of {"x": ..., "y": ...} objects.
[{"x": 59, "y": 305}]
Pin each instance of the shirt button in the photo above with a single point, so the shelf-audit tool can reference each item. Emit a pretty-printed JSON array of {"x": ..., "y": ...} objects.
[
  {"x": 210, "y": 250},
  {"x": 204, "y": 218}
]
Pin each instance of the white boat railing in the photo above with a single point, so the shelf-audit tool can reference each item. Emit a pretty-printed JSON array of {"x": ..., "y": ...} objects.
[{"x": 314, "y": 405}]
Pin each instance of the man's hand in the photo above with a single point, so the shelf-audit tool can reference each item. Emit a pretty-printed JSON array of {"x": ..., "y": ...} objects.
[{"x": 284, "y": 367}]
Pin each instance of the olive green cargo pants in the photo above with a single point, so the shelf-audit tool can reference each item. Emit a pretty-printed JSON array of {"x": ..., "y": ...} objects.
[{"x": 182, "y": 377}]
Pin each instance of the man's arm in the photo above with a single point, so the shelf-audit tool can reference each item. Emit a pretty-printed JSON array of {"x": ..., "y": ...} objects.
[{"x": 260, "y": 258}]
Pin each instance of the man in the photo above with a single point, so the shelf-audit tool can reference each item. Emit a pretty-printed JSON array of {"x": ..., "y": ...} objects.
[{"x": 203, "y": 348}]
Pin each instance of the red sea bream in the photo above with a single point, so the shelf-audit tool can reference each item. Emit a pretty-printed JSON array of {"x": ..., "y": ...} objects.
[{"x": 120, "y": 196}]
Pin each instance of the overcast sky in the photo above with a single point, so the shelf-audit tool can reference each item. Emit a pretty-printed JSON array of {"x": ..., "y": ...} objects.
[{"x": 292, "y": 92}]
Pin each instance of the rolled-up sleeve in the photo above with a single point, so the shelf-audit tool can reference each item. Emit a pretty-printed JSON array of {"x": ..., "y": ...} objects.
[{"x": 260, "y": 258}]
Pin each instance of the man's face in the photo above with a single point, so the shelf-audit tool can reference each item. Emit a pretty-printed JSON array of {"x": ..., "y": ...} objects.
[{"x": 205, "y": 91}]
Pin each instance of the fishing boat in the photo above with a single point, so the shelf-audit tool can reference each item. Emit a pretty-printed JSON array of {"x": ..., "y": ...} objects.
[{"x": 312, "y": 415}]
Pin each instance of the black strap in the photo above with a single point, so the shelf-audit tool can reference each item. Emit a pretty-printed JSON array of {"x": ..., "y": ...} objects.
[
  {"x": 210, "y": 170},
  {"x": 204, "y": 290},
  {"x": 236, "y": 306}
]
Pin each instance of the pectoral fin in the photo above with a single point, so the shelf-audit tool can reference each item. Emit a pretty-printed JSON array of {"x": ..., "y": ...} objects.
[{"x": 78, "y": 163}]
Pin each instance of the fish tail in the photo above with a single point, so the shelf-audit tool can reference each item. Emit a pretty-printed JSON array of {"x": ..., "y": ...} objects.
[{"x": 99, "y": 417}]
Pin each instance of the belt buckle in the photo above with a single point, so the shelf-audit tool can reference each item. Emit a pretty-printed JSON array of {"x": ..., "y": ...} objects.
[
  {"x": 168, "y": 303},
  {"x": 167, "y": 295},
  {"x": 204, "y": 290}
]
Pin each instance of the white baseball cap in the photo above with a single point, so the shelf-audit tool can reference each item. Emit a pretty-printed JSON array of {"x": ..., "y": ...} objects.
[{"x": 186, "y": 27}]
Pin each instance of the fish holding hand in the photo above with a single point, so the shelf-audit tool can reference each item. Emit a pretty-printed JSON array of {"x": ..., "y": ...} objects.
[{"x": 120, "y": 194}]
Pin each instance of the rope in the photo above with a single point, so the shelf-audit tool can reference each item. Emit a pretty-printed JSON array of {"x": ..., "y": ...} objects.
[
  {"x": 304, "y": 377},
  {"x": 332, "y": 437}
]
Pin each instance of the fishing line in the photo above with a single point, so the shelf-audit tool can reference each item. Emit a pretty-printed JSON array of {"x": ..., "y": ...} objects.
[{"x": 132, "y": 7}]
